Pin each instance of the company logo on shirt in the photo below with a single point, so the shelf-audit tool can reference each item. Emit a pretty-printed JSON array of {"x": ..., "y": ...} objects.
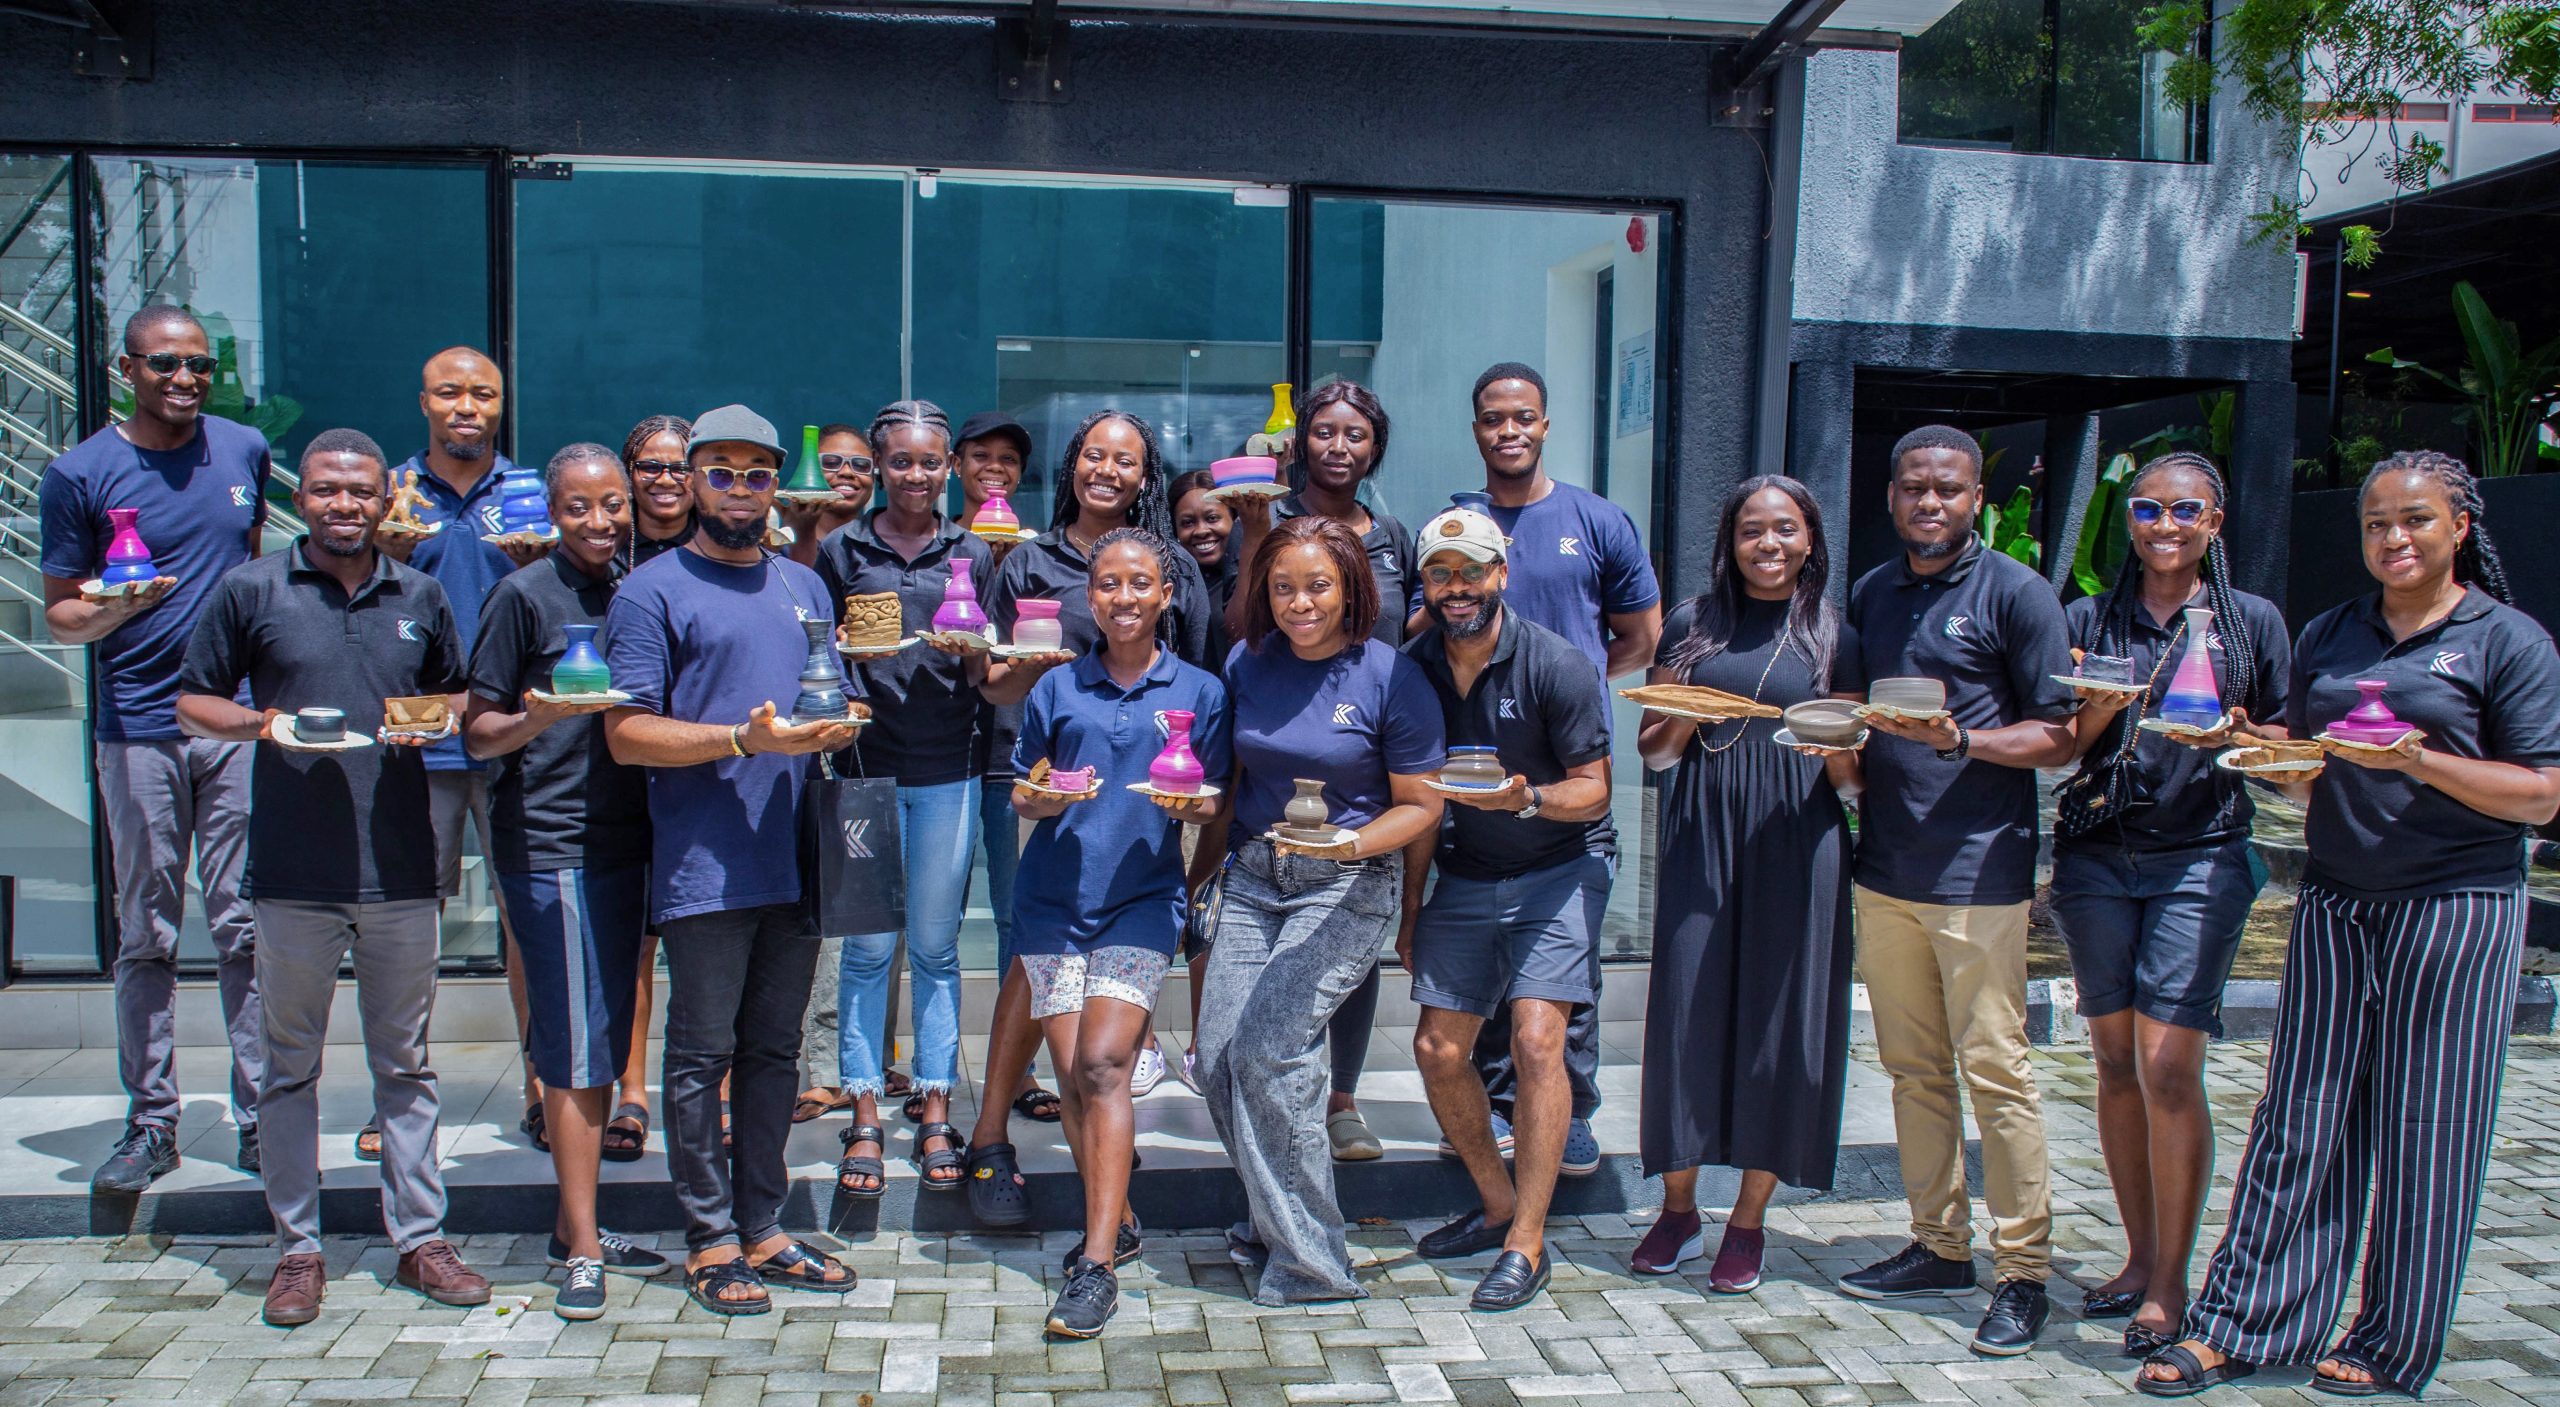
[
  {"x": 239, "y": 495},
  {"x": 1568, "y": 547},
  {"x": 1955, "y": 626},
  {"x": 2445, "y": 660},
  {"x": 1511, "y": 708},
  {"x": 857, "y": 839},
  {"x": 1346, "y": 715},
  {"x": 489, "y": 517},
  {"x": 406, "y": 628}
]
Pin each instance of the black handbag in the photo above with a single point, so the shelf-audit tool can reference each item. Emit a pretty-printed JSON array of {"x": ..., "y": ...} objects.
[
  {"x": 2100, "y": 792},
  {"x": 853, "y": 876}
]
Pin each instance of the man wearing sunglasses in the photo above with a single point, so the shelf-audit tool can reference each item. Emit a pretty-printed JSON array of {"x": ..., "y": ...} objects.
[
  {"x": 1525, "y": 867},
  {"x": 197, "y": 484}
]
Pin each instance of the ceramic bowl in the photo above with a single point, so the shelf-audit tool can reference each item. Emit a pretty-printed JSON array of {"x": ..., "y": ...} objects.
[
  {"x": 1909, "y": 694},
  {"x": 2106, "y": 669},
  {"x": 1825, "y": 722},
  {"x": 319, "y": 725}
]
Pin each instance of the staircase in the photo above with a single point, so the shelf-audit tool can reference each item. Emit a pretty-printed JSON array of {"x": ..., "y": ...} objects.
[{"x": 39, "y": 415}]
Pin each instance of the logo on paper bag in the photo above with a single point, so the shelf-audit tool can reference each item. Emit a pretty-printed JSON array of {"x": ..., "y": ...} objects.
[{"x": 857, "y": 839}]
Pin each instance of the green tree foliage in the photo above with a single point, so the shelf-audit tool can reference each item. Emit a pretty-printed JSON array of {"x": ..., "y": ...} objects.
[{"x": 2340, "y": 69}]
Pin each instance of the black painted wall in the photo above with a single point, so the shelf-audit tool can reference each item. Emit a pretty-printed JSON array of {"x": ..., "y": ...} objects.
[{"x": 1459, "y": 112}]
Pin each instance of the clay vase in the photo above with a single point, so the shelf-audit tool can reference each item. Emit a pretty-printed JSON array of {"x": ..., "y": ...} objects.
[
  {"x": 821, "y": 683},
  {"x": 1176, "y": 771},
  {"x": 1306, "y": 811},
  {"x": 2370, "y": 721},
  {"x": 959, "y": 609},
  {"x": 581, "y": 670},
  {"x": 127, "y": 559},
  {"x": 522, "y": 506},
  {"x": 1035, "y": 625}
]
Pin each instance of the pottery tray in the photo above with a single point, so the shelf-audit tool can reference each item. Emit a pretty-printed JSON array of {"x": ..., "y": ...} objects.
[{"x": 1696, "y": 700}]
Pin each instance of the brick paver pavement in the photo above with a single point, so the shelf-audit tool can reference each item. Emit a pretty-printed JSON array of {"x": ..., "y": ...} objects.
[{"x": 958, "y": 1320}]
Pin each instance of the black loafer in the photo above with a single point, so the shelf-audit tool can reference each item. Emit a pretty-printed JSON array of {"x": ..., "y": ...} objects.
[
  {"x": 1512, "y": 1283},
  {"x": 2109, "y": 1305},
  {"x": 2017, "y": 1314},
  {"x": 2140, "y": 1342},
  {"x": 1464, "y": 1237}
]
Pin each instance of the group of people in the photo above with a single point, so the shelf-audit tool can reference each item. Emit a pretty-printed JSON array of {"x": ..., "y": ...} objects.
[{"x": 1312, "y": 639}]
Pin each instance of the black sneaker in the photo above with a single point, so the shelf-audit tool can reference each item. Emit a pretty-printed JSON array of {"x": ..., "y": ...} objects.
[
  {"x": 581, "y": 1296},
  {"x": 247, "y": 1162},
  {"x": 621, "y": 1256},
  {"x": 1125, "y": 1248},
  {"x": 2018, "y": 1311},
  {"x": 1914, "y": 1270},
  {"x": 145, "y": 1152},
  {"x": 1085, "y": 1305}
]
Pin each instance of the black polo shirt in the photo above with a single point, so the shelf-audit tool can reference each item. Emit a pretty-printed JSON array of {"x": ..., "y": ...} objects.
[
  {"x": 1990, "y": 629},
  {"x": 560, "y": 802},
  {"x": 1538, "y": 704},
  {"x": 2483, "y": 682},
  {"x": 2178, "y": 800},
  {"x": 1049, "y": 566},
  {"x": 331, "y": 827},
  {"x": 924, "y": 710}
]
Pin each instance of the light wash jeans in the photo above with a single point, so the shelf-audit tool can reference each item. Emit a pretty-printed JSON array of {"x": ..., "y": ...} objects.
[
  {"x": 937, "y": 830},
  {"x": 1295, "y": 936}
]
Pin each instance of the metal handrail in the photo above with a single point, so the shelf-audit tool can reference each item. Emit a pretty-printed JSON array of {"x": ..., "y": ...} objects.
[
  {"x": 35, "y": 549},
  {"x": 11, "y": 423},
  {"x": 26, "y": 366},
  {"x": 37, "y": 652},
  {"x": 38, "y": 331}
]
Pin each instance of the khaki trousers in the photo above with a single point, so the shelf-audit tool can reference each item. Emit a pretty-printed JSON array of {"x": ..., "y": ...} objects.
[{"x": 1948, "y": 984}]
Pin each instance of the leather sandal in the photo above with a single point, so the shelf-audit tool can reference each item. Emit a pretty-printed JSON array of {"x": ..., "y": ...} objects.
[
  {"x": 802, "y": 1268},
  {"x": 949, "y": 1160},
  {"x": 2193, "y": 1377},
  {"x": 626, "y": 1135},
  {"x": 1039, "y": 1106},
  {"x": 854, "y": 1165},
  {"x": 369, "y": 1143},
  {"x": 2378, "y": 1386},
  {"x": 705, "y": 1285}
]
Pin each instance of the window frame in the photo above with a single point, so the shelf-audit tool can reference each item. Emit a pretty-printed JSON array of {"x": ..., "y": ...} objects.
[{"x": 2199, "y": 116}]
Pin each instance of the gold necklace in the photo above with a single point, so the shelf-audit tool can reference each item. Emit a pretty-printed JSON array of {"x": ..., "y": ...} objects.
[{"x": 1778, "y": 649}]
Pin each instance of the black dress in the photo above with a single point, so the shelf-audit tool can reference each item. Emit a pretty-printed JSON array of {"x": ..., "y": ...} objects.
[{"x": 1746, "y": 1041}]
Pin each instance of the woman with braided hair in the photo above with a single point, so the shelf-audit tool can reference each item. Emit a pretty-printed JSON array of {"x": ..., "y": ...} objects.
[
  {"x": 2152, "y": 889},
  {"x": 2400, "y": 987}
]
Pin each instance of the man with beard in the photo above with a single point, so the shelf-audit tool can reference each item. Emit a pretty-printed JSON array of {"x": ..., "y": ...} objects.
[
  {"x": 1577, "y": 566},
  {"x": 1946, "y": 865},
  {"x": 463, "y": 396},
  {"x": 705, "y": 639},
  {"x": 340, "y": 857},
  {"x": 197, "y": 484},
  {"x": 1525, "y": 866}
]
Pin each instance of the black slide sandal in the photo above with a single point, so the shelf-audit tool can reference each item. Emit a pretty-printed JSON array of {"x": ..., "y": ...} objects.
[
  {"x": 626, "y": 1144},
  {"x": 802, "y": 1268},
  {"x": 1039, "y": 1106},
  {"x": 534, "y": 1125},
  {"x": 705, "y": 1285},
  {"x": 2193, "y": 1377},
  {"x": 862, "y": 1165},
  {"x": 2380, "y": 1386},
  {"x": 953, "y": 1157}
]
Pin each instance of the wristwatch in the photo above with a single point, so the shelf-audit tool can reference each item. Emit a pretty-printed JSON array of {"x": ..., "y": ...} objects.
[{"x": 1531, "y": 809}]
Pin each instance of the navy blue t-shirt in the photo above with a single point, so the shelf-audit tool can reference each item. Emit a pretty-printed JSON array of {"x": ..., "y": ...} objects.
[
  {"x": 1108, "y": 872},
  {"x": 2483, "y": 682},
  {"x": 1575, "y": 558},
  {"x": 708, "y": 642},
  {"x": 1348, "y": 721},
  {"x": 198, "y": 505},
  {"x": 467, "y": 568}
]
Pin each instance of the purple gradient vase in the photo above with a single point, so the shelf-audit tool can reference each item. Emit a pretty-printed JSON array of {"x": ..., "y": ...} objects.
[
  {"x": 2193, "y": 699},
  {"x": 959, "y": 609},
  {"x": 1176, "y": 771},
  {"x": 2369, "y": 721},
  {"x": 127, "y": 559}
]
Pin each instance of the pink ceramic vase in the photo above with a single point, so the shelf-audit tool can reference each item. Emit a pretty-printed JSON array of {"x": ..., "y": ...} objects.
[
  {"x": 1175, "y": 770},
  {"x": 127, "y": 559},
  {"x": 959, "y": 609}
]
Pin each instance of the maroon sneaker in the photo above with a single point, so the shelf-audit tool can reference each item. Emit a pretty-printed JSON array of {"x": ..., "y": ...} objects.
[
  {"x": 435, "y": 1269},
  {"x": 1675, "y": 1237},
  {"x": 1737, "y": 1267},
  {"x": 293, "y": 1295}
]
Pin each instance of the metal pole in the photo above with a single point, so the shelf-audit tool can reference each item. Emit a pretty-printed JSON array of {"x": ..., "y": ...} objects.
[{"x": 2337, "y": 340}]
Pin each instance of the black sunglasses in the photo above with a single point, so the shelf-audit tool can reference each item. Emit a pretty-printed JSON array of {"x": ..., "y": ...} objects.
[
  {"x": 721, "y": 478},
  {"x": 167, "y": 363},
  {"x": 858, "y": 463},
  {"x": 662, "y": 469}
]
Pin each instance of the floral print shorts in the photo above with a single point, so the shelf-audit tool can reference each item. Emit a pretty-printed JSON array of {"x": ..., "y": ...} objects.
[{"x": 1062, "y": 982}]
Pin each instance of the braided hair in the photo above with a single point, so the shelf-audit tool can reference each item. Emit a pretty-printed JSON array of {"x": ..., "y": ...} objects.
[
  {"x": 2475, "y": 562},
  {"x": 2115, "y": 622},
  {"x": 650, "y": 429},
  {"x": 1149, "y": 510},
  {"x": 1165, "y": 570},
  {"x": 897, "y": 415}
]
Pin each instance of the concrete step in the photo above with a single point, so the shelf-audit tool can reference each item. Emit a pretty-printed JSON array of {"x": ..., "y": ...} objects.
[{"x": 30, "y": 684}]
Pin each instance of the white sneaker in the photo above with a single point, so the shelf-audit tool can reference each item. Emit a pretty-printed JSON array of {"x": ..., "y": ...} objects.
[
  {"x": 1147, "y": 1073},
  {"x": 1191, "y": 1072}
]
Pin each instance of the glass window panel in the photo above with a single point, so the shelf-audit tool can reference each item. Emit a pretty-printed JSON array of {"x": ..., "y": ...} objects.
[
  {"x": 324, "y": 287},
  {"x": 2108, "y": 86},
  {"x": 1455, "y": 288},
  {"x": 1052, "y": 301},
  {"x": 45, "y": 837},
  {"x": 2069, "y": 77},
  {"x": 669, "y": 290},
  {"x": 1977, "y": 77}
]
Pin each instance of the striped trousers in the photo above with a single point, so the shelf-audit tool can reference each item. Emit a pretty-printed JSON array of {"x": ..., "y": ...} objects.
[{"x": 2382, "y": 1085}]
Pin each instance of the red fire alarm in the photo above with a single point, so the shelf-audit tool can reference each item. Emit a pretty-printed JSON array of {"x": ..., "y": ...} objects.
[{"x": 1635, "y": 234}]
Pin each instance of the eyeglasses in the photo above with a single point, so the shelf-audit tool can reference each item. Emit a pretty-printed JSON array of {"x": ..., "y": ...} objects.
[
  {"x": 1472, "y": 573},
  {"x": 2186, "y": 512},
  {"x": 167, "y": 363},
  {"x": 834, "y": 463},
  {"x": 675, "y": 469},
  {"x": 722, "y": 479}
]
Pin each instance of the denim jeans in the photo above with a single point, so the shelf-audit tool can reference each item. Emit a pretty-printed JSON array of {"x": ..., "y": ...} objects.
[
  {"x": 1295, "y": 936},
  {"x": 1000, "y": 835},
  {"x": 937, "y": 828},
  {"x": 737, "y": 983}
]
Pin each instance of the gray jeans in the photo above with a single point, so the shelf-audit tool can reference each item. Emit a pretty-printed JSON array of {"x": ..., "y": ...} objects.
[
  {"x": 299, "y": 948},
  {"x": 160, "y": 796},
  {"x": 1294, "y": 937}
]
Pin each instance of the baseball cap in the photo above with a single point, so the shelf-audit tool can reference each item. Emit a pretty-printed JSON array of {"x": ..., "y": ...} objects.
[
  {"x": 736, "y": 422},
  {"x": 1464, "y": 531},
  {"x": 995, "y": 422}
]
